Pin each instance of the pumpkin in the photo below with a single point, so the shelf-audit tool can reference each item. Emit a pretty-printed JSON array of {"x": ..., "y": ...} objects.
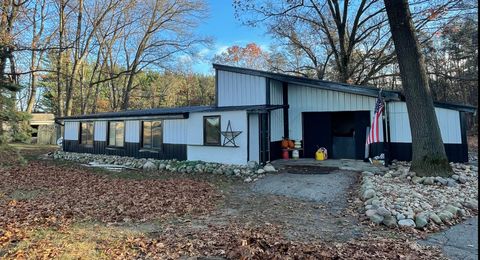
[
  {"x": 291, "y": 144},
  {"x": 285, "y": 143}
]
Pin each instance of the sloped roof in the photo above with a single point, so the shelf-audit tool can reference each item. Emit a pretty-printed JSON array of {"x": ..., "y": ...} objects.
[
  {"x": 336, "y": 86},
  {"x": 182, "y": 112}
]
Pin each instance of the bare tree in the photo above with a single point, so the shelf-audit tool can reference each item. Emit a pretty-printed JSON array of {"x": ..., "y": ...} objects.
[
  {"x": 355, "y": 33},
  {"x": 165, "y": 30}
]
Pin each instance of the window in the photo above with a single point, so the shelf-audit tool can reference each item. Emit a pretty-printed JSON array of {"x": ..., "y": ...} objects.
[
  {"x": 152, "y": 134},
  {"x": 116, "y": 130},
  {"x": 211, "y": 130},
  {"x": 86, "y": 133}
]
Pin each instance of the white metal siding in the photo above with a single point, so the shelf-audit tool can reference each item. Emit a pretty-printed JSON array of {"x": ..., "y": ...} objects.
[
  {"x": 71, "y": 130},
  {"x": 100, "y": 131},
  {"x": 276, "y": 92},
  {"x": 276, "y": 125},
  {"x": 307, "y": 99},
  {"x": 175, "y": 131},
  {"x": 232, "y": 155},
  {"x": 235, "y": 89},
  {"x": 254, "y": 138},
  {"x": 132, "y": 131},
  {"x": 448, "y": 121}
]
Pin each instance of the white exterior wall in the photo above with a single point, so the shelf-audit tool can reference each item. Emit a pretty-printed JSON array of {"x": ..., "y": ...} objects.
[
  {"x": 71, "y": 130},
  {"x": 100, "y": 131},
  {"x": 448, "y": 121},
  {"x": 221, "y": 154},
  {"x": 276, "y": 116},
  {"x": 132, "y": 131},
  {"x": 254, "y": 139},
  {"x": 307, "y": 99},
  {"x": 236, "y": 89},
  {"x": 175, "y": 131},
  {"x": 276, "y": 92}
]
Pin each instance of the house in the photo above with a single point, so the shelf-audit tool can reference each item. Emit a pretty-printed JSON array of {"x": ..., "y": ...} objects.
[
  {"x": 253, "y": 111},
  {"x": 45, "y": 130}
]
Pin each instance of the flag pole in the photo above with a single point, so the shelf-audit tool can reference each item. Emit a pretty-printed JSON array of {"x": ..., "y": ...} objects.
[{"x": 385, "y": 126}]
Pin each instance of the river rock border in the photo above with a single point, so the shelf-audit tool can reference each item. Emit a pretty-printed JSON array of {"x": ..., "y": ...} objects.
[
  {"x": 397, "y": 197},
  {"x": 249, "y": 173}
]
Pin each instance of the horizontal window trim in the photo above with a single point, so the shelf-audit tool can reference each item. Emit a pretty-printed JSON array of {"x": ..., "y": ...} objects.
[
  {"x": 144, "y": 150},
  {"x": 119, "y": 148},
  {"x": 218, "y": 146},
  {"x": 124, "y": 118}
]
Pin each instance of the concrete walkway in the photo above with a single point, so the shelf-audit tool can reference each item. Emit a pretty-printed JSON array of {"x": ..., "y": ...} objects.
[{"x": 458, "y": 242}]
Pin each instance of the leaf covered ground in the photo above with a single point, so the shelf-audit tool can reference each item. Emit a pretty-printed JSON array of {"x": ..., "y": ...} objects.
[{"x": 52, "y": 210}]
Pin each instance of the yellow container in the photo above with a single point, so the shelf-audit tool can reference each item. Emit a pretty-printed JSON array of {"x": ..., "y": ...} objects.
[{"x": 319, "y": 156}]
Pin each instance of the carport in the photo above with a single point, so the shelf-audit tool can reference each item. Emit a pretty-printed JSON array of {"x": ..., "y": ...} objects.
[{"x": 342, "y": 133}]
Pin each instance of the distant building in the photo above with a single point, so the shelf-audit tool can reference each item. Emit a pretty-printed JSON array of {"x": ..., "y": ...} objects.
[
  {"x": 254, "y": 110},
  {"x": 45, "y": 128}
]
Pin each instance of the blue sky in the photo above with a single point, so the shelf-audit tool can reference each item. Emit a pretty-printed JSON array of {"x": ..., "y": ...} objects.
[{"x": 225, "y": 31}]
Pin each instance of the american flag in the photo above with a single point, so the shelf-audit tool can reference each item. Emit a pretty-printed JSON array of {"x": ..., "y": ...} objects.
[{"x": 374, "y": 135}]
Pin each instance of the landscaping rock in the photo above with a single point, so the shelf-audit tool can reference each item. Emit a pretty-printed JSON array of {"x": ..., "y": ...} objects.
[
  {"x": 367, "y": 173},
  {"x": 420, "y": 221},
  {"x": 382, "y": 211},
  {"x": 452, "y": 209},
  {"x": 389, "y": 221},
  {"x": 445, "y": 215},
  {"x": 260, "y": 171},
  {"x": 150, "y": 166},
  {"x": 269, "y": 168},
  {"x": 377, "y": 219},
  {"x": 404, "y": 201},
  {"x": 434, "y": 217},
  {"x": 429, "y": 181},
  {"x": 471, "y": 204},
  {"x": 462, "y": 179},
  {"x": 368, "y": 194},
  {"x": 370, "y": 212},
  {"x": 406, "y": 223}
]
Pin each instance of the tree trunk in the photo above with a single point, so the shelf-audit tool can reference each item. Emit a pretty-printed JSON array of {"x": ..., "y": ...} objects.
[
  {"x": 61, "y": 33},
  {"x": 428, "y": 153}
]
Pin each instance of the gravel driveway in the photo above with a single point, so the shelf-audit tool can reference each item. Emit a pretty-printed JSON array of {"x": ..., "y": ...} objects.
[{"x": 331, "y": 188}]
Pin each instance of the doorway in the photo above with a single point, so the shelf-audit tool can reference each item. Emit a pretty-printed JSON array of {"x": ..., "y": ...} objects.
[{"x": 343, "y": 134}]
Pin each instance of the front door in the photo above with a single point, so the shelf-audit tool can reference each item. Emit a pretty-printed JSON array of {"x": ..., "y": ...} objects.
[{"x": 264, "y": 130}]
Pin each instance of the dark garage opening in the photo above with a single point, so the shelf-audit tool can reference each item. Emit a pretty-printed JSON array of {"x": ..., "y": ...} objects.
[{"x": 342, "y": 133}]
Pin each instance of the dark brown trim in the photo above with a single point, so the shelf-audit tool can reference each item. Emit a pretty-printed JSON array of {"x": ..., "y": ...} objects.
[
  {"x": 205, "y": 143},
  {"x": 216, "y": 87},
  {"x": 248, "y": 137},
  {"x": 267, "y": 91},
  {"x": 286, "y": 125}
]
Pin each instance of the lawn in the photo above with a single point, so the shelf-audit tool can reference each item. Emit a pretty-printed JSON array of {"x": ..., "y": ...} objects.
[{"x": 51, "y": 209}]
